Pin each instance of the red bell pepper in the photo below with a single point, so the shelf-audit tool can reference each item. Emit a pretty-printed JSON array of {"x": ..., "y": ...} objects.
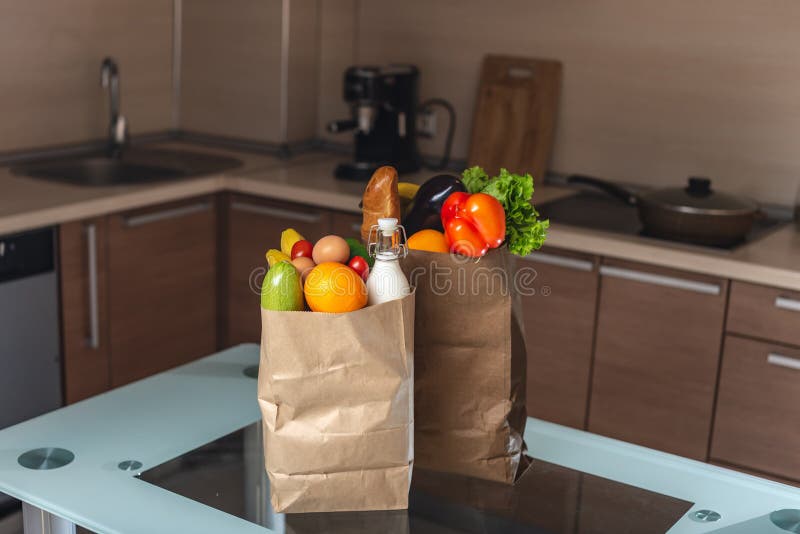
[{"x": 473, "y": 223}]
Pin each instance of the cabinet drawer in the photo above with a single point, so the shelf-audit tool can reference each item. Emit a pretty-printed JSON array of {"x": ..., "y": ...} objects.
[
  {"x": 758, "y": 407},
  {"x": 765, "y": 312}
]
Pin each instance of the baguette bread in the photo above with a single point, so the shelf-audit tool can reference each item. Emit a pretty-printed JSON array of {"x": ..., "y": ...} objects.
[{"x": 381, "y": 199}]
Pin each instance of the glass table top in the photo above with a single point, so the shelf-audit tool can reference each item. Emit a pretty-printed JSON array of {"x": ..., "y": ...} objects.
[
  {"x": 228, "y": 474},
  {"x": 179, "y": 452}
]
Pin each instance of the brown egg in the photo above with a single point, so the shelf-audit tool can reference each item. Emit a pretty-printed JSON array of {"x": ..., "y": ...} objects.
[
  {"x": 331, "y": 248},
  {"x": 303, "y": 266}
]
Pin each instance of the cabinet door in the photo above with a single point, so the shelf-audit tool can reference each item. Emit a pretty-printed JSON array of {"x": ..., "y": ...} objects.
[
  {"x": 84, "y": 310},
  {"x": 347, "y": 224},
  {"x": 656, "y": 357},
  {"x": 758, "y": 407},
  {"x": 162, "y": 287},
  {"x": 255, "y": 226},
  {"x": 559, "y": 317}
]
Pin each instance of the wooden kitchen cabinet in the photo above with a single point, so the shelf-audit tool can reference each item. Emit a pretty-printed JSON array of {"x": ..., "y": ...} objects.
[
  {"x": 162, "y": 286},
  {"x": 559, "y": 319},
  {"x": 764, "y": 312},
  {"x": 758, "y": 407},
  {"x": 657, "y": 350},
  {"x": 84, "y": 308},
  {"x": 346, "y": 224},
  {"x": 254, "y": 225}
]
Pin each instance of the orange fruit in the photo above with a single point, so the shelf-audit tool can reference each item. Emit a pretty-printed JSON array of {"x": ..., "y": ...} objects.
[
  {"x": 334, "y": 288},
  {"x": 430, "y": 240}
]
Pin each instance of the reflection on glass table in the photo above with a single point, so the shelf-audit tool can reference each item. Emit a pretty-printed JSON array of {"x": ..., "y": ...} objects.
[
  {"x": 181, "y": 452},
  {"x": 228, "y": 474}
]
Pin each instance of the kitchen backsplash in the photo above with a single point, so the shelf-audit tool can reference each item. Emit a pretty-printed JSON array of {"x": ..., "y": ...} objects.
[
  {"x": 653, "y": 91},
  {"x": 50, "y": 52},
  {"x": 249, "y": 68}
]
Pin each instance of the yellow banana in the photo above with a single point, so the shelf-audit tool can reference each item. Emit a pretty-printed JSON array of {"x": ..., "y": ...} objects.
[
  {"x": 289, "y": 237},
  {"x": 407, "y": 190}
]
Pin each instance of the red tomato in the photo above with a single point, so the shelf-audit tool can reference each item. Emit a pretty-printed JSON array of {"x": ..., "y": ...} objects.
[
  {"x": 487, "y": 216},
  {"x": 359, "y": 265},
  {"x": 464, "y": 238},
  {"x": 302, "y": 248}
]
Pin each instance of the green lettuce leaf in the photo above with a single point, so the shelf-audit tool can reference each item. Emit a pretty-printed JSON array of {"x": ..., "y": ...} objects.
[
  {"x": 524, "y": 231},
  {"x": 474, "y": 179}
]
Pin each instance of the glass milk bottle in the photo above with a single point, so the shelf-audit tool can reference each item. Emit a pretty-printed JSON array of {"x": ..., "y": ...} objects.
[{"x": 386, "y": 280}]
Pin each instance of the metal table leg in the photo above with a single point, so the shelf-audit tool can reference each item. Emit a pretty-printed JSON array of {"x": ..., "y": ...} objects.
[{"x": 37, "y": 521}]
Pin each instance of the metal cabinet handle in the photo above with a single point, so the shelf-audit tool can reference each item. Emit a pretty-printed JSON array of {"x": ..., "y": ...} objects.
[
  {"x": 277, "y": 212},
  {"x": 783, "y": 361},
  {"x": 94, "y": 311},
  {"x": 561, "y": 261},
  {"x": 785, "y": 303},
  {"x": 660, "y": 280},
  {"x": 356, "y": 227},
  {"x": 171, "y": 213}
]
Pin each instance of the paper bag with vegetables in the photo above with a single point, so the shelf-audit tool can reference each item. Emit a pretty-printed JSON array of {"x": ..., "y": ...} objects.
[
  {"x": 469, "y": 345},
  {"x": 335, "y": 384}
]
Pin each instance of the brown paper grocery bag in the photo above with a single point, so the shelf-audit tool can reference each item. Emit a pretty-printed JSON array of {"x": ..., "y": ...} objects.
[
  {"x": 469, "y": 349},
  {"x": 336, "y": 397}
]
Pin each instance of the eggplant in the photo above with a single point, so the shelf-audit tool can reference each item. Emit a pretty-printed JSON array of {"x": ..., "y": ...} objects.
[{"x": 424, "y": 210}]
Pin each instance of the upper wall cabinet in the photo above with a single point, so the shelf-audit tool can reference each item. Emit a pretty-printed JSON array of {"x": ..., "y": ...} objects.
[{"x": 657, "y": 352}]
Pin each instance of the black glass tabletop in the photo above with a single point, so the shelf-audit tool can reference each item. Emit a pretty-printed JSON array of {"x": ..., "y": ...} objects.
[{"x": 228, "y": 474}]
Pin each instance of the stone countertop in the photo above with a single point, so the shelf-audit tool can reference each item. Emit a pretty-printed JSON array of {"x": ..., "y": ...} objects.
[
  {"x": 28, "y": 203},
  {"x": 772, "y": 260}
]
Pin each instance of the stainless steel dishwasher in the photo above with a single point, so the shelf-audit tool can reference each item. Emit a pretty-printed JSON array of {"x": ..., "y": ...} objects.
[{"x": 30, "y": 361}]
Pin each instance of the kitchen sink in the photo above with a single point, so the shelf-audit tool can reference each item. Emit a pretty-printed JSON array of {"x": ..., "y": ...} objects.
[{"x": 133, "y": 166}]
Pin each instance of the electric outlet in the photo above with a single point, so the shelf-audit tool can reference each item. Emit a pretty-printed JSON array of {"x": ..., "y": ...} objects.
[{"x": 426, "y": 124}]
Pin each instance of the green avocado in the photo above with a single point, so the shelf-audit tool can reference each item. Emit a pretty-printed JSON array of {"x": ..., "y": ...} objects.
[{"x": 282, "y": 289}]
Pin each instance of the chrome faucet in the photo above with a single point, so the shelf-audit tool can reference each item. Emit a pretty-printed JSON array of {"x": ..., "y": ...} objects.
[{"x": 118, "y": 129}]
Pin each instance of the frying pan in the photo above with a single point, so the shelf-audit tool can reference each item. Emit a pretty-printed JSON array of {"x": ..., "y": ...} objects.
[{"x": 695, "y": 213}]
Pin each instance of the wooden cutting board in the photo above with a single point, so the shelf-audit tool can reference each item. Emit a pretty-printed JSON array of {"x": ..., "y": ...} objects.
[{"x": 515, "y": 115}]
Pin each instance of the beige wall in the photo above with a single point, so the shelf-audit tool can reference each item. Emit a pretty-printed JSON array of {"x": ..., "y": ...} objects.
[
  {"x": 303, "y": 69},
  {"x": 338, "y": 45},
  {"x": 50, "y": 55},
  {"x": 230, "y": 68},
  {"x": 244, "y": 75},
  {"x": 653, "y": 91}
]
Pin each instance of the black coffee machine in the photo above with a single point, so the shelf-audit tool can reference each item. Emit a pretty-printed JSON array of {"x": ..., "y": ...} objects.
[{"x": 383, "y": 103}]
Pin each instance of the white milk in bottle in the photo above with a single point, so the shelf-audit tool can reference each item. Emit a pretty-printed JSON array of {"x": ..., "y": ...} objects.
[{"x": 386, "y": 280}]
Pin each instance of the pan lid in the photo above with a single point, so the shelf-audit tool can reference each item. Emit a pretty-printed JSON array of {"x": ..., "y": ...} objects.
[{"x": 699, "y": 198}]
